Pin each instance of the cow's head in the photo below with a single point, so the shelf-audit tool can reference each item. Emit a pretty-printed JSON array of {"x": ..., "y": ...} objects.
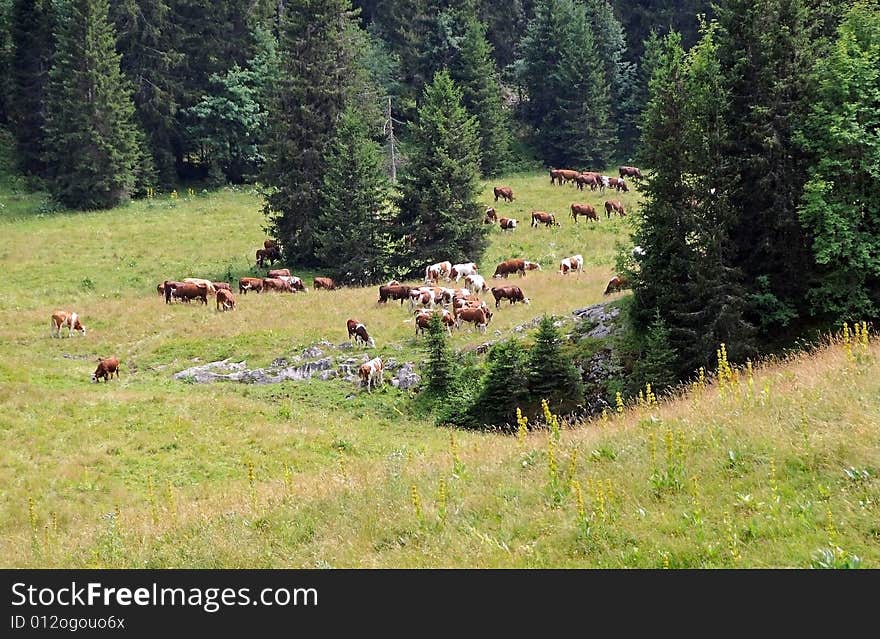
[{"x": 76, "y": 324}]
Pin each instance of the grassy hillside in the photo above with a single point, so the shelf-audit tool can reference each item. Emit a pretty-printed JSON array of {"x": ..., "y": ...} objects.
[{"x": 148, "y": 471}]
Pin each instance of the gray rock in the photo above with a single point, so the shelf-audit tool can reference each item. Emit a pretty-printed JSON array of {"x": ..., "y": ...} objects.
[
  {"x": 325, "y": 375},
  {"x": 600, "y": 331},
  {"x": 407, "y": 377},
  {"x": 344, "y": 346},
  {"x": 395, "y": 382},
  {"x": 214, "y": 371},
  {"x": 312, "y": 352}
]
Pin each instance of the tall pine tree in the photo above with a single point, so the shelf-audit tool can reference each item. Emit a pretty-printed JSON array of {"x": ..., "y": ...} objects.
[
  {"x": 439, "y": 186},
  {"x": 31, "y": 26},
  {"x": 92, "y": 141},
  {"x": 552, "y": 376},
  {"x": 841, "y": 202},
  {"x": 5, "y": 59},
  {"x": 309, "y": 98},
  {"x": 353, "y": 233}
]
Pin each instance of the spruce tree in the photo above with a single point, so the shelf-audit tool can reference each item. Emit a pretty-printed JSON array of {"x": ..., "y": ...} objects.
[
  {"x": 657, "y": 362},
  {"x": 309, "y": 98},
  {"x": 438, "y": 369},
  {"x": 439, "y": 186},
  {"x": 841, "y": 201},
  {"x": 539, "y": 57},
  {"x": 5, "y": 59},
  {"x": 92, "y": 141},
  {"x": 551, "y": 374},
  {"x": 31, "y": 30},
  {"x": 504, "y": 388},
  {"x": 353, "y": 233}
]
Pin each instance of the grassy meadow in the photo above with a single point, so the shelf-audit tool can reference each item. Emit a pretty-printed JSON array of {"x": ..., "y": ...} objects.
[{"x": 146, "y": 471}]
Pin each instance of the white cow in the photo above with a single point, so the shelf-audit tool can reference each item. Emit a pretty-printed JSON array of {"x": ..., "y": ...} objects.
[
  {"x": 370, "y": 374},
  {"x": 477, "y": 283},
  {"x": 573, "y": 263},
  {"x": 462, "y": 270}
]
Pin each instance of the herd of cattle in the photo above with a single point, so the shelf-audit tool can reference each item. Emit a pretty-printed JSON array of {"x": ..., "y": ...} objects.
[{"x": 454, "y": 305}]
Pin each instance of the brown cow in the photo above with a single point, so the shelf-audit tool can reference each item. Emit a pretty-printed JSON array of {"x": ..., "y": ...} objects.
[
  {"x": 221, "y": 285},
  {"x": 107, "y": 367},
  {"x": 617, "y": 283},
  {"x": 591, "y": 179},
  {"x": 423, "y": 319},
  {"x": 567, "y": 175},
  {"x": 507, "y": 267},
  {"x": 554, "y": 175},
  {"x": 512, "y": 293},
  {"x": 68, "y": 319},
  {"x": 586, "y": 210},
  {"x": 357, "y": 330},
  {"x": 277, "y": 284},
  {"x": 394, "y": 292},
  {"x": 246, "y": 284},
  {"x": 491, "y": 216},
  {"x": 324, "y": 282},
  {"x": 278, "y": 272},
  {"x": 479, "y": 317},
  {"x": 541, "y": 217},
  {"x": 225, "y": 300},
  {"x": 167, "y": 287},
  {"x": 270, "y": 244},
  {"x": 504, "y": 192},
  {"x": 616, "y": 206},
  {"x": 629, "y": 171},
  {"x": 268, "y": 255},
  {"x": 188, "y": 291},
  {"x": 507, "y": 223},
  {"x": 619, "y": 184}
]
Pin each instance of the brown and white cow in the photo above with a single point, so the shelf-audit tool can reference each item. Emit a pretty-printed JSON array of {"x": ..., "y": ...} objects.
[
  {"x": 459, "y": 271},
  {"x": 573, "y": 263},
  {"x": 370, "y": 374},
  {"x": 507, "y": 223},
  {"x": 434, "y": 272},
  {"x": 508, "y": 267},
  {"x": 588, "y": 178},
  {"x": 532, "y": 266},
  {"x": 66, "y": 319},
  {"x": 475, "y": 282},
  {"x": 278, "y": 272},
  {"x": 586, "y": 210},
  {"x": 107, "y": 367},
  {"x": 616, "y": 284},
  {"x": 223, "y": 285},
  {"x": 491, "y": 216},
  {"x": 479, "y": 317},
  {"x": 295, "y": 283},
  {"x": 504, "y": 192},
  {"x": 393, "y": 292},
  {"x": 270, "y": 255},
  {"x": 225, "y": 300},
  {"x": 423, "y": 319},
  {"x": 325, "y": 283},
  {"x": 619, "y": 184},
  {"x": 246, "y": 284},
  {"x": 358, "y": 331},
  {"x": 199, "y": 280},
  {"x": 187, "y": 291},
  {"x": 629, "y": 171},
  {"x": 542, "y": 217},
  {"x": 167, "y": 287},
  {"x": 615, "y": 206},
  {"x": 512, "y": 293},
  {"x": 276, "y": 284}
]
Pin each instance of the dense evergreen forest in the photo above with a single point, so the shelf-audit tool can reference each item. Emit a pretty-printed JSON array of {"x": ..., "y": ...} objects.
[{"x": 757, "y": 125}]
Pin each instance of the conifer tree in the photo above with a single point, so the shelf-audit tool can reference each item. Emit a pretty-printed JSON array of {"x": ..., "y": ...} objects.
[
  {"x": 504, "y": 387},
  {"x": 438, "y": 368},
  {"x": 92, "y": 141},
  {"x": 31, "y": 31},
  {"x": 310, "y": 95},
  {"x": 439, "y": 186},
  {"x": 841, "y": 201},
  {"x": 551, "y": 374},
  {"x": 5, "y": 59},
  {"x": 353, "y": 233}
]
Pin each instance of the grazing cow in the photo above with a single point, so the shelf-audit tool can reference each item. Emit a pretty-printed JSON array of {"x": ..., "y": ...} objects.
[
  {"x": 476, "y": 283},
  {"x": 616, "y": 206},
  {"x": 541, "y": 217},
  {"x": 512, "y": 293},
  {"x": 423, "y": 319},
  {"x": 277, "y": 284},
  {"x": 294, "y": 282},
  {"x": 507, "y": 267},
  {"x": 434, "y": 272},
  {"x": 573, "y": 263},
  {"x": 491, "y": 216},
  {"x": 246, "y": 284},
  {"x": 532, "y": 266},
  {"x": 617, "y": 283},
  {"x": 198, "y": 280},
  {"x": 586, "y": 210},
  {"x": 270, "y": 255},
  {"x": 278, "y": 272},
  {"x": 225, "y": 300},
  {"x": 462, "y": 270},
  {"x": 325, "y": 283},
  {"x": 187, "y": 291},
  {"x": 504, "y": 192},
  {"x": 394, "y": 292},
  {"x": 370, "y": 374},
  {"x": 479, "y": 317},
  {"x": 619, "y": 184},
  {"x": 507, "y": 223},
  {"x": 167, "y": 287},
  {"x": 221, "y": 285},
  {"x": 593, "y": 180},
  {"x": 425, "y": 296},
  {"x": 107, "y": 367},
  {"x": 68, "y": 319},
  {"x": 357, "y": 330},
  {"x": 629, "y": 171}
]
